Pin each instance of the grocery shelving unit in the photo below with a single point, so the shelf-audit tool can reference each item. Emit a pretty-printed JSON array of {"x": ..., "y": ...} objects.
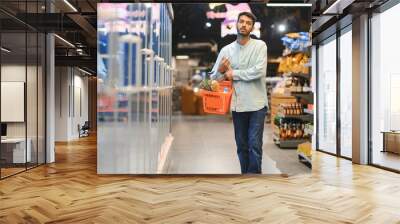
[
  {"x": 295, "y": 66},
  {"x": 290, "y": 143},
  {"x": 308, "y": 97}
]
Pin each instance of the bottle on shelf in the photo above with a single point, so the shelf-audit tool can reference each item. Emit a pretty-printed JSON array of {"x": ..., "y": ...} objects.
[
  {"x": 287, "y": 131},
  {"x": 306, "y": 87},
  {"x": 293, "y": 131},
  {"x": 293, "y": 86},
  {"x": 299, "y": 131},
  {"x": 283, "y": 131},
  {"x": 299, "y": 88},
  {"x": 300, "y": 109},
  {"x": 304, "y": 134}
]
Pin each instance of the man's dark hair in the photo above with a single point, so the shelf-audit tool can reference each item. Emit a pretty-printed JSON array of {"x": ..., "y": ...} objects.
[{"x": 248, "y": 14}]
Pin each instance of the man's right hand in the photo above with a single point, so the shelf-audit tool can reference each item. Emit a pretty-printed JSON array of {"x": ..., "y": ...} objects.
[
  {"x": 229, "y": 74},
  {"x": 224, "y": 65}
]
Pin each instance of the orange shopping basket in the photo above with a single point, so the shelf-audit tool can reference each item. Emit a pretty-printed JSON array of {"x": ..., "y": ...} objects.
[{"x": 218, "y": 102}]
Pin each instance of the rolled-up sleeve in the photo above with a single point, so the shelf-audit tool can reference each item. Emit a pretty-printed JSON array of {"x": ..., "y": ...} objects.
[{"x": 255, "y": 72}]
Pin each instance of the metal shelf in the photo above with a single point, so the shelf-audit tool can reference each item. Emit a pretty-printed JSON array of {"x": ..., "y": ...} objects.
[
  {"x": 290, "y": 144},
  {"x": 304, "y": 117},
  {"x": 307, "y": 111},
  {"x": 301, "y": 75},
  {"x": 309, "y": 96}
]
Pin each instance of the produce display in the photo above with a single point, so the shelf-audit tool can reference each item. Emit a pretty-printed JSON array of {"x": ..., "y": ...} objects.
[{"x": 209, "y": 85}]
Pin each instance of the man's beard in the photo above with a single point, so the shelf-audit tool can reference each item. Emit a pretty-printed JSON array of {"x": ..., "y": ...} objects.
[
  {"x": 247, "y": 34},
  {"x": 244, "y": 34}
]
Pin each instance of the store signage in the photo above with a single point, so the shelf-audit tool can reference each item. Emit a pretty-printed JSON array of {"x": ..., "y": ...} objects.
[
  {"x": 231, "y": 11},
  {"x": 228, "y": 26},
  {"x": 215, "y": 15}
]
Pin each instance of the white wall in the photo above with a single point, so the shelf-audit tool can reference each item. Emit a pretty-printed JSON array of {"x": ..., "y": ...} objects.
[
  {"x": 12, "y": 73},
  {"x": 33, "y": 126},
  {"x": 71, "y": 94},
  {"x": 61, "y": 103}
]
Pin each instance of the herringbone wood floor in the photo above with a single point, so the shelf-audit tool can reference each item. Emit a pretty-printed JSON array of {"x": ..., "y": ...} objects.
[{"x": 70, "y": 191}]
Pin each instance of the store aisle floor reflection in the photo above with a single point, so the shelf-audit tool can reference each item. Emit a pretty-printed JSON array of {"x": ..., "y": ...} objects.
[{"x": 206, "y": 145}]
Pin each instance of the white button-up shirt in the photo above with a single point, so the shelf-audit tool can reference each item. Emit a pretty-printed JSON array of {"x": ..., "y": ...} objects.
[{"x": 249, "y": 64}]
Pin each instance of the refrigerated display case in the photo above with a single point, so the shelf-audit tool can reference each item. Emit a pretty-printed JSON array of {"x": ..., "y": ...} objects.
[{"x": 135, "y": 87}]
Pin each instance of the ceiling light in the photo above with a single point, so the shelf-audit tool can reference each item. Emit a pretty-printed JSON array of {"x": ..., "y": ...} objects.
[
  {"x": 148, "y": 5},
  {"x": 289, "y": 4},
  {"x": 182, "y": 57},
  {"x": 70, "y": 5},
  {"x": 208, "y": 24},
  {"x": 84, "y": 71},
  {"x": 338, "y": 6},
  {"x": 213, "y": 5},
  {"x": 281, "y": 28},
  {"x": 65, "y": 41},
  {"x": 5, "y": 49}
]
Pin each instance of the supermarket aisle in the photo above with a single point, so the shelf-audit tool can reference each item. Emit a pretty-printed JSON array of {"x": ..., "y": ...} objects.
[{"x": 206, "y": 145}]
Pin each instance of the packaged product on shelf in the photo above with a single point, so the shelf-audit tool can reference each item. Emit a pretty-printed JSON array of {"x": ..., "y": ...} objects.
[
  {"x": 291, "y": 109},
  {"x": 305, "y": 149},
  {"x": 282, "y": 87},
  {"x": 296, "y": 41},
  {"x": 306, "y": 88},
  {"x": 297, "y": 63},
  {"x": 291, "y": 130}
]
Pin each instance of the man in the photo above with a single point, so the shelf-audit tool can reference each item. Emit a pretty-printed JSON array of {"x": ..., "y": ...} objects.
[{"x": 245, "y": 62}]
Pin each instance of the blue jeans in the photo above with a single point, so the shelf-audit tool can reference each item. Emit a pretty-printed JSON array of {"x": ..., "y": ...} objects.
[{"x": 249, "y": 128}]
